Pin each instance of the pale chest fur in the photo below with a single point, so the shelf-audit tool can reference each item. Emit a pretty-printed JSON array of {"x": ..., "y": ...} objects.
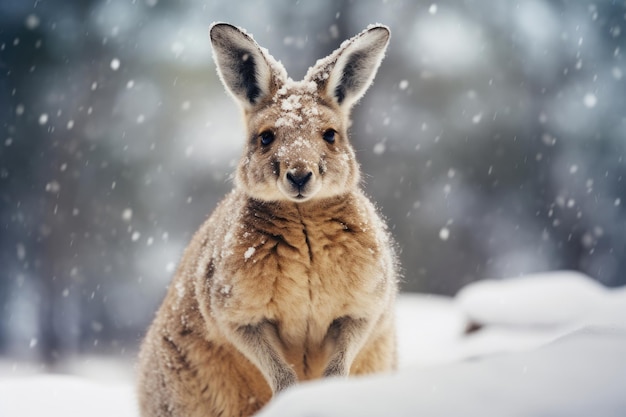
[{"x": 303, "y": 266}]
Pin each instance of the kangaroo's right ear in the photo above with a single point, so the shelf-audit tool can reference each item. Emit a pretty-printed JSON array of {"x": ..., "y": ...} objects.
[{"x": 247, "y": 72}]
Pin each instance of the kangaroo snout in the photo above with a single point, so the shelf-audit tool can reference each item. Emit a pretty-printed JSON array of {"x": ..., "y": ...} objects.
[
  {"x": 299, "y": 183},
  {"x": 299, "y": 179}
]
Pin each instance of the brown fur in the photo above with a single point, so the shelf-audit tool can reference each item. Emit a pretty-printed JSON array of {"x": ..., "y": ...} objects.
[{"x": 282, "y": 283}]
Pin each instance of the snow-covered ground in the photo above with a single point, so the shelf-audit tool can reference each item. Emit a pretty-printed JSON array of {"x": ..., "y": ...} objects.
[{"x": 550, "y": 344}]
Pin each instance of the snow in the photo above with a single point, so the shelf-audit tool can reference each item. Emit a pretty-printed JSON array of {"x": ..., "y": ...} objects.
[
  {"x": 249, "y": 252},
  {"x": 444, "y": 233},
  {"x": 590, "y": 100},
  {"x": 180, "y": 290},
  {"x": 53, "y": 187},
  {"x": 32, "y": 22},
  {"x": 127, "y": 214},
  {"x": 550, "y": 344},
  {"x": 58, "y": 395},
  {"x": 115, "y": 64},
  {"x": 557, "y": 380},
  {"x": 533, "y": 301}
]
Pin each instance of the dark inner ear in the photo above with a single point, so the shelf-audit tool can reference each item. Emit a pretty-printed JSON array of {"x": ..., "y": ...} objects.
[
  {"x": 349, "y": 81},
  {"x": 246, "y": 66}
]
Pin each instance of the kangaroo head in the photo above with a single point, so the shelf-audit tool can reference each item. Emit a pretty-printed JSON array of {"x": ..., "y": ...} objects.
[{"x": 297, "y": 144}]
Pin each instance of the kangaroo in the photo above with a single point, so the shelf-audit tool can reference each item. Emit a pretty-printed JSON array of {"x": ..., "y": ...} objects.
[{"x": 294, "y": 276}]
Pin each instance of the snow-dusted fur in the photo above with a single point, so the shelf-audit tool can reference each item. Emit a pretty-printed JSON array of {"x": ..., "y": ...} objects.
[{"x": 293, "y": 277}]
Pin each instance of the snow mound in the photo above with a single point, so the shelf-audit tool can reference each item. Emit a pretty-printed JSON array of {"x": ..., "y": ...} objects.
[
  {"x": 428, "y": 325},
  {"x": 550, "y": 299},
  {"x": 550, "y": 344},
  {"x": 580, "y": 375},
  {"x": 65, "y": 396}
]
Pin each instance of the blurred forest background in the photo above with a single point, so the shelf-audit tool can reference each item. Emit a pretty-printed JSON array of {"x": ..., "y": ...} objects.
[{"x": 493, "y": 140}]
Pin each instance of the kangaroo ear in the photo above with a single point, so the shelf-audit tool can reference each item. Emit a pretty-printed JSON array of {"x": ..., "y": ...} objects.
[
  {"x": 346, "y": 74},
  {"x": 247, "y": 71}
]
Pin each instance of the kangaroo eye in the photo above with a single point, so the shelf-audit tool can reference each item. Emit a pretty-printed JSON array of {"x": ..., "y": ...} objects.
[
  {"x": 329, "y": 136},
  {"x": 267, "y": 137}
]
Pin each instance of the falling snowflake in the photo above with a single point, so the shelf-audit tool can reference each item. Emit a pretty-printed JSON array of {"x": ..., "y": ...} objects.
[
  {"x": 32, "y": 21},
  {"x": 115, "y": 64},
  {"x": 127, "y": 215},
  {"x": 379, "y": 148},
  {"x": 590, "y": 100},
  {"x": 53, "y": 187}
]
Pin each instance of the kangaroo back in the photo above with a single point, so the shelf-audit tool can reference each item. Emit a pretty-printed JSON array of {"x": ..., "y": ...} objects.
[{"x": 293, "y": 277}]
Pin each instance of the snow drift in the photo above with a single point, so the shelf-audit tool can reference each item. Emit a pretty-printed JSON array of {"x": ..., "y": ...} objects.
[{"x": 549, "y": 344}]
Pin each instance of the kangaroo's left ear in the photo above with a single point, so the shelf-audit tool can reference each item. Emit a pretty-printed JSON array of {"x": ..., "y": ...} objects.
[{"x": 345, "y": 75}]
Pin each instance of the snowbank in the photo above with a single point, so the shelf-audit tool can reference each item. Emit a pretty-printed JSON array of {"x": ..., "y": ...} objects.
[
  {"x": 551, "y": 344},
  {"x": 583, "y": 374},
  {"x": 550, "y": 300},
  {"x": 65, "y": 396}
]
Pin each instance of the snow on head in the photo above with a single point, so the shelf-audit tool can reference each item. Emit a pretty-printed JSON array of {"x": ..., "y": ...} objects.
[{"x": 298, "y": 104}]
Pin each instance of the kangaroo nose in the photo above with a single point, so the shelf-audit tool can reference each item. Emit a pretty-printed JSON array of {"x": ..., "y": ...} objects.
[{"x": 299, "y": 180}]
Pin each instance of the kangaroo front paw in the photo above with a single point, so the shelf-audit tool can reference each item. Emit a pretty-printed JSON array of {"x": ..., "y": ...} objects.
[
  {"x": 336, "y": 368},
  {"x": 284, "y": 380}
]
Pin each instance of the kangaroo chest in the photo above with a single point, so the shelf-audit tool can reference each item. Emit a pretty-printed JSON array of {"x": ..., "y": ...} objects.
[{"x": 302, "y": 273}]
